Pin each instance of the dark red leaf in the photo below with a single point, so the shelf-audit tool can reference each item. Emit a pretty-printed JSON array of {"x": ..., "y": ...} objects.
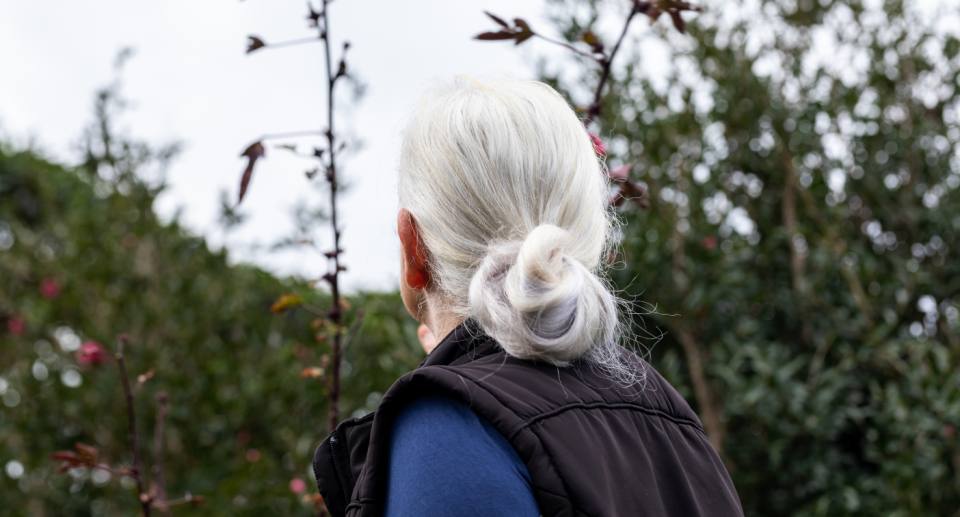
[
  {"x": 88, "y": 453},
  {"x": 499, "y": 35},
  {"x": 317, "y": 152},
  {"x": 497, "y": 19},
  {"x": 342, "y": 70},
  {"x": 313, "y": 16},
  {"x": 678, "y": 21},
  {"x": 633, "y": 190},
  {"x": 525, "y": 31},
  {"x": 523, "y": 36},
  {"x": 253, "y": 153},
  {"x": 628, "y": 190},
  {"x": 617, "y": 199},
  {"x": 636, "y": 193},
  {"x": 66, "y": 456},
  {"x": 254, "y": 44},
  {"x": 684, "y": 6},
  {"x": 653, "y": 13}
]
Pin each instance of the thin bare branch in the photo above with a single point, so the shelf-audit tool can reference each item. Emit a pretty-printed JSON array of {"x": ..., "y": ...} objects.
[
  {"x": 594, "y": 109},
  {"x": 289, "y": 134},
  {"x": 354, "y": 328},
  {"x": 599, "y": 58},
  {"x": 141, "y": 380},
  {"x": 716, "y": 431},
  {"x": 290, "y": 43},
  {"x": 137, "y": 470},
  {"x": 196, "y": 500},
  {"x": 335, "y": 314}
]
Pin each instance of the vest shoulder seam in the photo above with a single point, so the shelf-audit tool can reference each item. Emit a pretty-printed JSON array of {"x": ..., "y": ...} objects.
[{"x": 602, "y": 405}]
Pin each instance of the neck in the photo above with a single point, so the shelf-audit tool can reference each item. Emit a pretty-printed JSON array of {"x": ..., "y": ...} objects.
[{"x": 439, "y": 318}]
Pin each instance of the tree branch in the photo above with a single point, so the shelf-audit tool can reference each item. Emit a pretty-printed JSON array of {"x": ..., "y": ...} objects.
[
  {"x": 594, "y": 110},
  {"x": 132, "y": 420},
  {"x": 716, "y": 431},
  {"x": 789, "y": 211},
  {"x": 336, "y": 314}
]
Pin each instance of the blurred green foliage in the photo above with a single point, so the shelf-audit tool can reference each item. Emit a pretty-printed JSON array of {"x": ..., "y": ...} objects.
[
  {"x": 802, "y": 161},
  {"x": 83, "y": 257}
]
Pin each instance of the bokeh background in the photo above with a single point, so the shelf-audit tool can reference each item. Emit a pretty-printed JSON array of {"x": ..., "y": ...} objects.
[{"x": 795, "y": 276}]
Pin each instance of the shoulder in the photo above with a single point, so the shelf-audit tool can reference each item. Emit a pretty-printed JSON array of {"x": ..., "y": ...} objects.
[
  {"x": 445, "y": 459},
  {"x": 434, "y": 429}
]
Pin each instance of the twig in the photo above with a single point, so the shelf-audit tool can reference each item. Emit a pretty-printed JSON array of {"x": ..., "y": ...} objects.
[
  {"x": 132, "y": 419},
  {"x": 289, "y": 134},
  {"x": 353, "y": 330},
  {"x": 196, "y": 500},
  {"x": 141, "y": 380},
  {"x": 336, "y": 314},
  {"x": 289, "y": 43},
  {"x": 594, "y": 110},
  {"x": 789, "y": 208},
  {"x": 161, "y": 495},
  {"x": 314, "y": 310},
  {"x": 571, "y": 47}
]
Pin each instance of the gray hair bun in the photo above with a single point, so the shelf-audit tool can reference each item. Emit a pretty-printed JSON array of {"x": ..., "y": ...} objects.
[{"x": 540, "y": 303}]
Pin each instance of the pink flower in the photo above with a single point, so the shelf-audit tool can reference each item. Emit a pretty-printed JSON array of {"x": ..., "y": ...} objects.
[
  {"x": 49, "y": 288},
  {"x": 297, "y": 485},
  {"x": 598, "y": 146},
  {"x": 92, "y": 353},
  {"x": 16, "y": 325}
]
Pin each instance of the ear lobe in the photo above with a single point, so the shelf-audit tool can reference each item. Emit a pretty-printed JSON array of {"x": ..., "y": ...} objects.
[{"x": 417, "y": 280}]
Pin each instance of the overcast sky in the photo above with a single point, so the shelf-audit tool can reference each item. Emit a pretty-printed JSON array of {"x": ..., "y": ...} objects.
[{"x": 190, "y": 80}]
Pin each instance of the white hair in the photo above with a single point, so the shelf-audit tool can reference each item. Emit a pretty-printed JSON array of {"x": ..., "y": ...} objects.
[{"x": 510, "y": 198}]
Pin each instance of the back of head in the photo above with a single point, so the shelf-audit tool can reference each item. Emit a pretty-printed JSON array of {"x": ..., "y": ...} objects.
[{"x": 509, "y": 196}]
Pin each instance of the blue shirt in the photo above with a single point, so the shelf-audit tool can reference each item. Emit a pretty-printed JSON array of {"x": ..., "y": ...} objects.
[{"x": 447, "y": 461}]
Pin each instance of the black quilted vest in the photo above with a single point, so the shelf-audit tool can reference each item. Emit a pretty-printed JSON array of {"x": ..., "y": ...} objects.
[{"x": 592, "y": 448}]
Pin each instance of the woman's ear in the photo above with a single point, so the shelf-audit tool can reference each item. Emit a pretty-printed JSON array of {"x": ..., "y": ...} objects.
[{"x": 414, "y": 254}]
